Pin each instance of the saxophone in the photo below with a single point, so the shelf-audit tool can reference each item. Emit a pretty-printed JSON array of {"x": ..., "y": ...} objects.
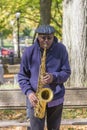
[{"x": 43, "y": 94}]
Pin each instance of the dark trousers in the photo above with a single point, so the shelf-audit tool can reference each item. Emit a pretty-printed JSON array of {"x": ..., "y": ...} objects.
[
  {"x": 53, "y": 119},
  {"x": 54, "y": 115}
]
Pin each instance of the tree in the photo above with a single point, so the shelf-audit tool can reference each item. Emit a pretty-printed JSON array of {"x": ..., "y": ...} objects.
[
  {"x": 74, "y": 32},
  {"x": 45, "y": 11}
]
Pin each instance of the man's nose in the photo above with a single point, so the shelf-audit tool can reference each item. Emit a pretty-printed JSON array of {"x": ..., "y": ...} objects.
[{"x": 46, "y": 39}]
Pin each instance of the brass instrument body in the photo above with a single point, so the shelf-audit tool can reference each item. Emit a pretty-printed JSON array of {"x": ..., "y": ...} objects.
[{"x": 43, "y": 94}]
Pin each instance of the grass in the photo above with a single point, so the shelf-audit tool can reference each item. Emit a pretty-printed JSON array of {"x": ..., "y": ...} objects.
[
  {"x": 67, "y": 113},
  {"x": 74, "y": 113}
]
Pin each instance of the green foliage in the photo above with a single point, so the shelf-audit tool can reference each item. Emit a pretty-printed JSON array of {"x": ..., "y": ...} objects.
[
  {"x": 30, "y": 15},
  {"x": 57, "y": 17},
  {"x": 6, "y": 32},
  {"x": 27, "y": 32}
]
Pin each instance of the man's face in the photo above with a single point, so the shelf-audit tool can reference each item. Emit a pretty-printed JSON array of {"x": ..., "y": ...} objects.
[{"x": 45, "y": 39}]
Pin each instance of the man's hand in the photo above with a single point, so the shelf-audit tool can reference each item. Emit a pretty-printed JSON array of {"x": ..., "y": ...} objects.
[
  {"x": 47, "y": 79},
  {"x": 32, "y": 98}
]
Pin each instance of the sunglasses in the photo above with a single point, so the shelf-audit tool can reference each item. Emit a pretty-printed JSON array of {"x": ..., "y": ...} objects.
[{"x": 46, "y": 37}]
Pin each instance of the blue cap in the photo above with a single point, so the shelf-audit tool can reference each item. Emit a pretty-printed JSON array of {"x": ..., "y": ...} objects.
[{"x": 45, "y": 29}]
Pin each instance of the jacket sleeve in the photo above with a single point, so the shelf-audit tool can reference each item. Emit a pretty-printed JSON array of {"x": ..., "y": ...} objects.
[
  {"x": 61, "y": 76},
  {"x": 24, "y": 75}
]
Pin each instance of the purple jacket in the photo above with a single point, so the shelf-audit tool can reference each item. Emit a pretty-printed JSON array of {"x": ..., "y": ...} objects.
[{"x": 56, "y": 63}]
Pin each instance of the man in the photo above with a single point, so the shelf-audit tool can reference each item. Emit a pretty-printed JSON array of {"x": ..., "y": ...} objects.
[{"x": 57, "y": 72}]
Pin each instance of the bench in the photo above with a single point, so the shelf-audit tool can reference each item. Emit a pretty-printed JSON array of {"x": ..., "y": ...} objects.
[
  {"x": 11, "y": 69},
  {"x": 14, "y": 99}
]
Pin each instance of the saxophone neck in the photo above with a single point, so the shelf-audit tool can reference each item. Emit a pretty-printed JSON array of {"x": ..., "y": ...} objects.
[
  {"x": 43, "y": 60},
  {"x": 44, "y": 54}
]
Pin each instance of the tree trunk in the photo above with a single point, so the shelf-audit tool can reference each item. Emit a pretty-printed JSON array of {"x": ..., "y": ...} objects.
[
  {"x": 45, "y": 11},
  {"x": 74, "y": 37}
]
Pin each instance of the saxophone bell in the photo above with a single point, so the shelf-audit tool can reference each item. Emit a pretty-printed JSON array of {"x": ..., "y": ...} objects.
[{"x": 46, "y": 95}]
